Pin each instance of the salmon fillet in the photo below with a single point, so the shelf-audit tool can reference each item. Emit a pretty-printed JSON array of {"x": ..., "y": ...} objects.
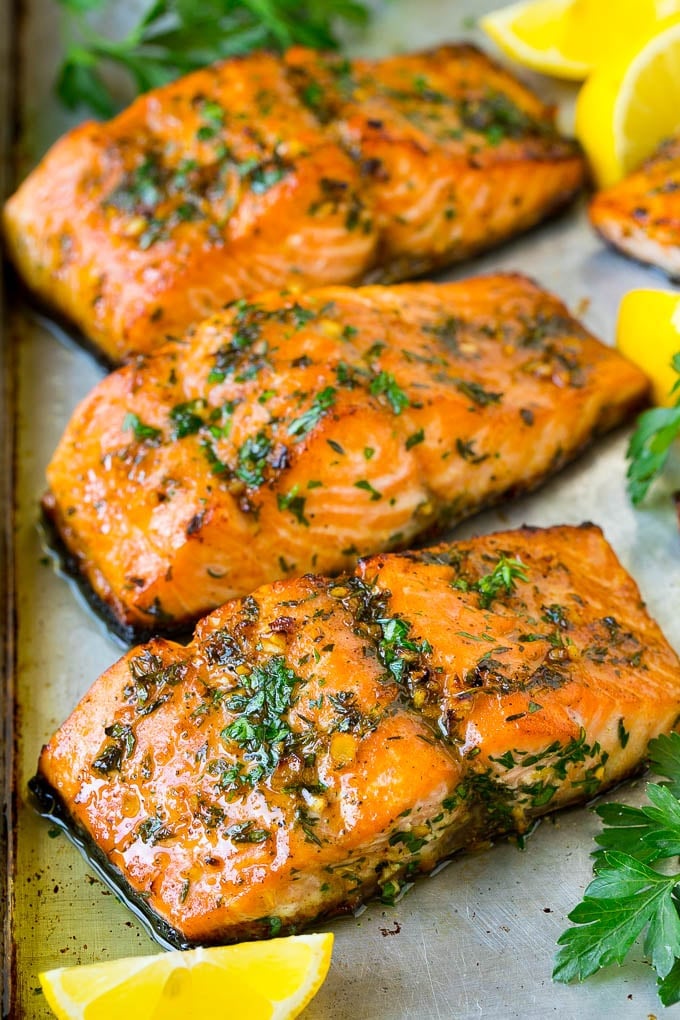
[
  {"x": 299, "y": 431},
  {"x": 641, "y": 215},
  {"x": 323, "y": 740},
  {"x": 264, "y": 171}
]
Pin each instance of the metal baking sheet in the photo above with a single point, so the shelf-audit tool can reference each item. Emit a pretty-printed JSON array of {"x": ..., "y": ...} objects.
[{"x": 476, "y": 940}]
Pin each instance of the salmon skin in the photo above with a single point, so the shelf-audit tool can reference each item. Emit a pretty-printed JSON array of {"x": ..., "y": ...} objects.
[
  {"x": 641, "y": 215},
  {"x": 321, "y": 741},
  {"x": 266, "y": 171},
  {"x": 297, "y": 432}
]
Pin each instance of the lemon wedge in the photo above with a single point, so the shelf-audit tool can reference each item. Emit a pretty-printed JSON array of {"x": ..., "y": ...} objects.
[
  {"x": 258, "y": 980},
  {"x": 532, "y": 32},
  {"x": 648, "y": 333},
  {"x": 569, "y": 38},
  {"x": 630, "y": 104}
]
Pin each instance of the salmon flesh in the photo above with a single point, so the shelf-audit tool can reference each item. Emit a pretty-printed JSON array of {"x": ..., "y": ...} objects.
[
  {"x": 296, "y": 432},
  {"x": 321, "y": 741},
  {"x": 641, "y": 215},
  {"x": 266, "y": 171}
]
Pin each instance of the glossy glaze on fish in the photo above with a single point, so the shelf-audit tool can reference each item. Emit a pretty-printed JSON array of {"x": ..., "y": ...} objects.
[
  {"x": 323, "y": 740},
  {"x": 296, "y": 432},
  {"x": 641, "y": 215},
  {"x": 264, "y": 171}
]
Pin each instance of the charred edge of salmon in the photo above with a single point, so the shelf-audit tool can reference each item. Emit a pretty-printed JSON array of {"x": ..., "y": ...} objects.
[
  {"x": 50, "y": 806},
  {"x": 69, "y": 563}
]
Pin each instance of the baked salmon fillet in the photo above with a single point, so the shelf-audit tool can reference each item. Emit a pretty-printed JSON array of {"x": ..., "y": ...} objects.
[
  {"x": 323, "y": 740},
  {"x": 264, "y": 171},
  {"x": 641, "y": 215},
  {"x": 296, "y": 432}
]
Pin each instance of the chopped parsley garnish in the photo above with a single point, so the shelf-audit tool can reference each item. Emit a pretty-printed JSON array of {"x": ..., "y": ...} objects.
[
  {"x": 295, "y": 503},
  {"x": 397, "y": 651},
  {"x": 384, "y": 384},
  {"x": 252, "y": 460},
  {"x": 304, "y": 424},
  {"x": 142, "y": 432},
  {"x": 184, "y": 419},
  {"x": 121, "y": 746},
  {"x": 263, "y": 175},
  {"x": 415, "y": 439},
  {"x": 497, "y": 117},
  {"x": 261, "y": 728},
  {"x": 152, "y": 682},
  {"x": 247, "y": 330},
  {"x": 246, "y": 832},
  {"x": 629, "y": 896},
  {"x": 651, "y": 443},
  {"x": 139, "y": 189},
  {"x": 476, "y": 392},
  {"x": 364, "y": 484},
  {"x": 466, "y": 449},
  {"x": 152, "y": 830},
  {"x": 501, "y": 580},
  {"x": 412, "y": 842},
  {"x": 229, "y": 775},
  {"x": 447, "y": 331}
]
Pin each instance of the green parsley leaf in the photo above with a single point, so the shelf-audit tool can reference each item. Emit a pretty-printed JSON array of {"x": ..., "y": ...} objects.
[
  {"x": 364, "y": 484},
  {"x": 295, "y": 503},
  {"x": 624, "y": 899},
  {"x": 300, "y": 426},
  {"x": 649, "y": 448},
  {"x": 669, "y": 986},
  {"x": 500, "y": 580},
  {"x": 261, "y": 728},
  {"x": 142, "y": 432},
  {"x": 629, "y": 898},
  {"x": 664, "y": 759},
  {"x": 173, "y": 37},
  {"x": 252, "y": 459},
  {"x": 384, "y": 384},
  {"x": 185, "y": 421},
  {"x": 475, "y": 391},
  {"x": 651, "y": 443}
]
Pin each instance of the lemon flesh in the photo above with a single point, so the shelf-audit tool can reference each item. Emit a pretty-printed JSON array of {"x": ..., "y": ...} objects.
[
  {"x": 648, "y": 333},
  {"x": 259, "y": 980},
  {"x": 630, "y": 104},
  {"x": 532, "y": 33},
  {"x": 569, "y": 38}
]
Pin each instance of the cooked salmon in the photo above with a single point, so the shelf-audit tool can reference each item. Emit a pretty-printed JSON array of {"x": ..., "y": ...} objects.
[
  {"x": 266, "y": 171},
  {"x": 641, "y": 215},
  {"x": 296, "y": 432},
  {"x": 323, "y": 740}
]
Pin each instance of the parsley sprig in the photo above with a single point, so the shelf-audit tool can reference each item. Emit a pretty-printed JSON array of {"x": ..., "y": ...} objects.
[
  {"x": 173, "y": 37},
  {"x": 629, "y": 897},
  {"x": 261, "y": 727},
  {"x": 651, "y": 442},
  {"x": 501, "y": 580}
]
